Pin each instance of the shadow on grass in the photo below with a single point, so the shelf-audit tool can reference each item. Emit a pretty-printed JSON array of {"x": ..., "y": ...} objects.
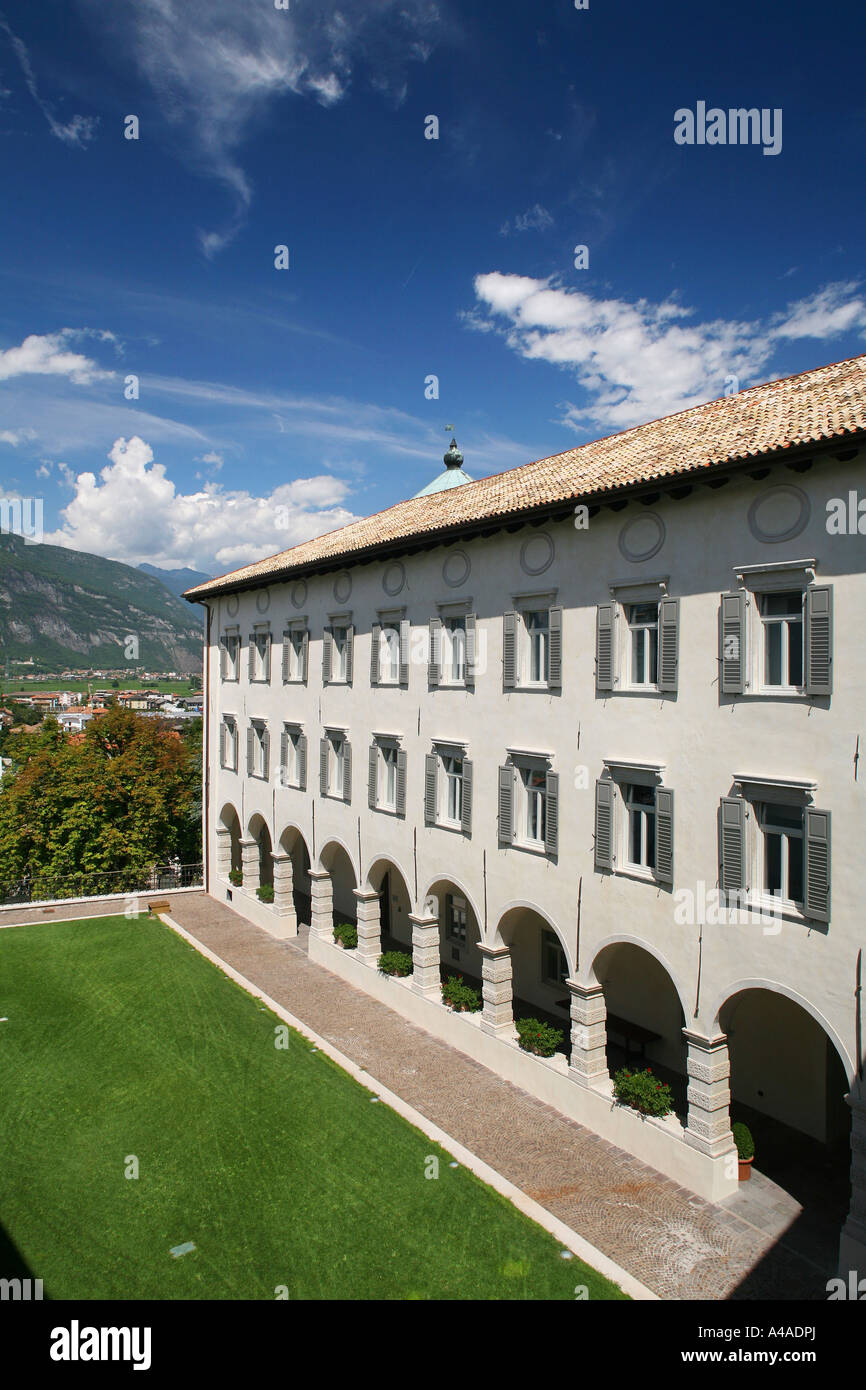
[{"x": 14, "y": 1266}]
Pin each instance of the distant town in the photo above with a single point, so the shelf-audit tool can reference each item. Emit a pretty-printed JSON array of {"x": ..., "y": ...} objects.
[{"x": 76, "y": 697}]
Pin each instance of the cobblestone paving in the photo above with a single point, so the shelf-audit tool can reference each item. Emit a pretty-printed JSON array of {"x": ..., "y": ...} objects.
[{"x": 674, "y": 1242}]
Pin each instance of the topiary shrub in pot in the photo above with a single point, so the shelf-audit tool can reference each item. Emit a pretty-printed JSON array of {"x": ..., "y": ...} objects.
[
  {"x": 265, "y": 892},
  {"x": 540, "y": 1038},
  {"x": 395, "y": 963},
  {"x": 643, "y": 1092},
  {"x": 745, "y": 1150},
  {"x": 346, "y": 936},
  {"x": 460, "y": 997}
]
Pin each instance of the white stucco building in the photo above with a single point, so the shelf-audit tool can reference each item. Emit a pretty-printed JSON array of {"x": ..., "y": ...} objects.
[{"x": 587, "y": 731}]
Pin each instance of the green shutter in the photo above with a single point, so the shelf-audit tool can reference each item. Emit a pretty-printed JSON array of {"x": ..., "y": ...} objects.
[
  {"x": 604, "y": 629},
  {"x": 732, "y": 643},
  {"x": 669, "y": 643},
  {"x": 733, "y": 869},
  {"x": 347, "y": 770},
  {"x": 554, "y": 672},
  {"x": 819, "y": 640},
  {"x": 372, "y": 771},
  {"x": 431, "y": 768},
  {"x": 551, "y": 814},
  {"x": 506, "y": 805},
  {"x": 604, "y": 794},
  {"x": 466, "y": 799},
  {"x": 509, "y": 650},
  {"x": 434, "y": 661},
  {"x": 664, "y": 835},
  {"x": 401, "y": 782},
  {"x": 817, "y": 862}
]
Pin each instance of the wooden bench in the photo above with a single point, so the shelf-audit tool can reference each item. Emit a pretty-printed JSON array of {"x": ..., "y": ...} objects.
[{"x": 631, "y": 1033}]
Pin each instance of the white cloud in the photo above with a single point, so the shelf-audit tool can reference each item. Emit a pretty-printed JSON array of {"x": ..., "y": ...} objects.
[
  {"x": 133, "y": 512},
  {"x": 78, "y": 130},
  {"x": 639, "y": 361},
  {"x": 16, "y": 437},
  {"x": 535, "y": 219},
  {"x": 48, "y": 354},
  {"x": 215, "y": 65}
]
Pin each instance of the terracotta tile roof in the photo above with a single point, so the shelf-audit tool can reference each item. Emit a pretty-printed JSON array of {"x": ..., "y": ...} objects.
[{"x": 798, "y": 410}]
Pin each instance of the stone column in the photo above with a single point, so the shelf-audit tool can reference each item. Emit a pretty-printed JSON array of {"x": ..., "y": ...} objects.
[
  {"x": 284, "y": 897},
  {"x": 852, "y": 1245},
  {"x": 250, "y": 864},
  {"x": 321, "y": 905},
  {"x": 709, "y": 1094},
  {"x": 368, "y": 914},
  {"x": 223, "y": 852},
  {"x": 588, "y": 1062},
  {"x": 425, "y": 956},
  {"x": 497, "y": 1015}
]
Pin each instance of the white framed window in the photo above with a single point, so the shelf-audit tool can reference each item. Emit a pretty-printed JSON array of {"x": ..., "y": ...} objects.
[
  {"x": 230, "y": 743},
  {"x": 782, "y": 863},
  {"x": 640, "y": 808},
  {"x": 336, "y": 765},
  {"x": 231, "y": 644},
  {"x": 532, "y": 783},
  {"x": 292, "y": 762},
  {"x": 296, "y": 652},
  {"x": 389, "y": 654},
  {"x": 258, "y": 749},
  {"x": 782, "y": 640},
  {"x": 387, "y": 797},
  {"x": 554, "y": 966},
  {"x": 340, "y": 657},
  {"x": 453, "y": 651},
  {"x": 643, "y": 643},
  {"x": 260, "y": 655},
  {"x": 536, "y": 646},
  {"x": 451, "y": 809}
]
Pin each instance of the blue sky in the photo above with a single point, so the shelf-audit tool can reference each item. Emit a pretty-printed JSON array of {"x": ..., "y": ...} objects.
[{"x": 276, "y": 404}]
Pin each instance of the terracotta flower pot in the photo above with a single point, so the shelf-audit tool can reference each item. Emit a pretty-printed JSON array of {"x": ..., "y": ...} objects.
[{"x": 744, "y": 1166}]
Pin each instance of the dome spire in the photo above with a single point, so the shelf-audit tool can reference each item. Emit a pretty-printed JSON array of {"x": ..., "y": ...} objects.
[{"x": 453, "y": 475}]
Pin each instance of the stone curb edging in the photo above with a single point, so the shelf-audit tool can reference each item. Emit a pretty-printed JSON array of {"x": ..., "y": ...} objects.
[{"x": 527, "y": 1205}]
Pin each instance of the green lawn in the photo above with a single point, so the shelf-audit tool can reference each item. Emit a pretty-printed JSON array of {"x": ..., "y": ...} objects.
[{"x": 121, "y": 1040}]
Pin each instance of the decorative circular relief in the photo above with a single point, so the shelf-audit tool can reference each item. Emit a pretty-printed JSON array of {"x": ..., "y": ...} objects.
[
  {"x": 394, "y": 579},
  {"x": 642, "y": 537},
  {"x": 263, "y": 600},
  {"x": 233, "y": 603},
  {"x": 342, "y": 586},
  {"x": 780, "y": 513},
  {"x": 536, "y": 553},
  {"x": 455, "y": 568},
  {"x": 298, "y": 594}
]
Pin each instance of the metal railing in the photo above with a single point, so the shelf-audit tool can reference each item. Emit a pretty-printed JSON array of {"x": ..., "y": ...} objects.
[{"x": 45, "y": 887}]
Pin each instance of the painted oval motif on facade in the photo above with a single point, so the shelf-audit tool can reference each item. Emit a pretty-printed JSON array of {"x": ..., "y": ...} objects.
[
  {"x": 780, "y": 513},
  {"x": 455, "y": 568},
  {"x": 536, "y": 553},
  {"x": 642, "y": 537}
]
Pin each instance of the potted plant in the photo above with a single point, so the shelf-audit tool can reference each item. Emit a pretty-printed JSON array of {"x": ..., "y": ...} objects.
[
  {"x": 745, "y": 1150},
  {"x": 346, "y": 936},
  {"x": 643, "y": 1092},
  {"x": 540, "y": 1038},
  {"x": 236, "y": 877},
  {"x": 460, "y": 997},
  {"x": 265, "y": 892},
  {"x": 395, "y": 963}
]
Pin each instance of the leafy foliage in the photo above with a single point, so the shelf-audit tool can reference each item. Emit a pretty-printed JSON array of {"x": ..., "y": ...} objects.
[
  {"x": 540, "y": 1038},
  {"x": 348, "y": 934},
  {"x": 743, "y": 1140},
  {"x": 265, "y": 892},
  {"x": 395, "y": 963},
  {"x": 236, "y": 877},
  {"x": 125, "y": 795},
  {"x": 642, "y": 1091},
  {"x": 459, "y": 996}
]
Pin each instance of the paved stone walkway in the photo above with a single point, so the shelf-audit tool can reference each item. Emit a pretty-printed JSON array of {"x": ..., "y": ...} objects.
[{"x": 674, "y": 1242}]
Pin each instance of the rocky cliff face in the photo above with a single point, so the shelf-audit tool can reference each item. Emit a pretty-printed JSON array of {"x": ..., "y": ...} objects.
[{"x": 65, "y": 608}]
